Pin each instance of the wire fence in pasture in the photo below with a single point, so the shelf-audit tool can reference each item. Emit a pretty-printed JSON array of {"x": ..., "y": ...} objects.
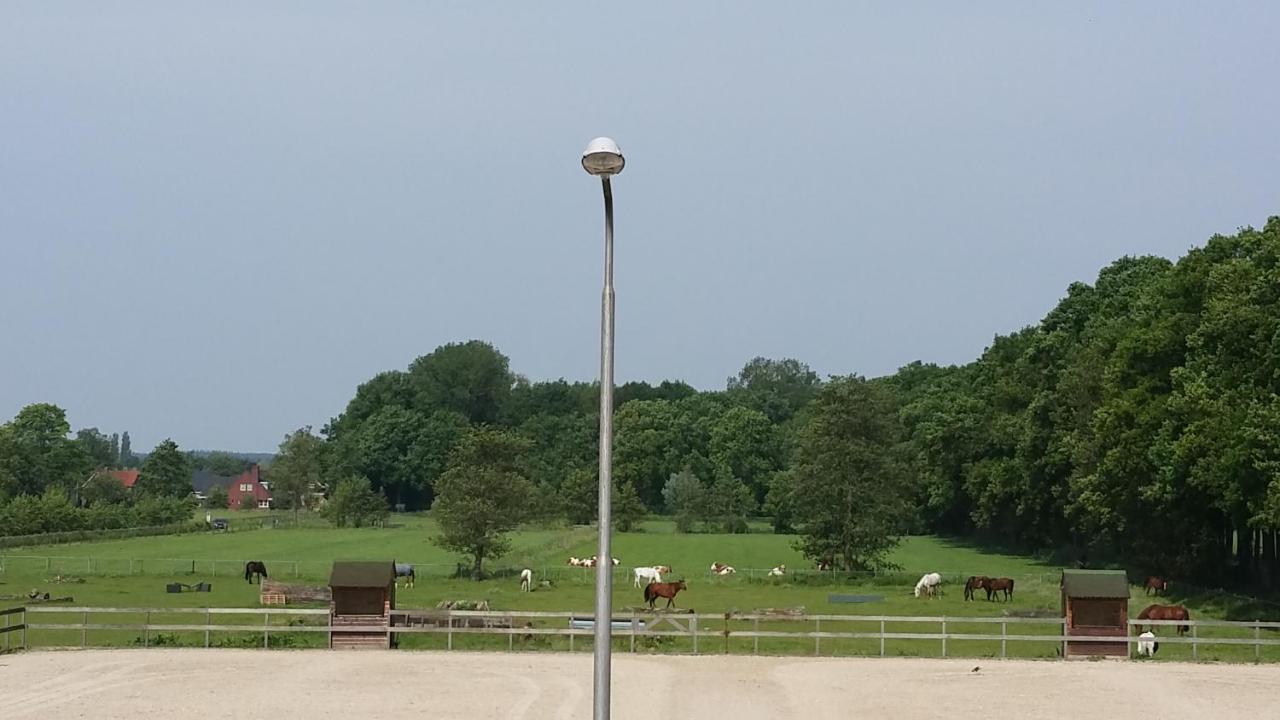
[
  {"x": 633, "y": 630},
  {"x": 285, "y": 568}
]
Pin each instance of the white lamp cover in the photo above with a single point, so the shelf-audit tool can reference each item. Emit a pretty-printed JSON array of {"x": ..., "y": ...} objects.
[{"x": 603, "y": 157}]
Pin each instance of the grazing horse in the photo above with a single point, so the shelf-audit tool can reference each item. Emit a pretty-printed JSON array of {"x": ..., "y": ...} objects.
[
  {"x": 823, "y": 564},
  {"x": 973, "y": 585},
  {"x": 254, "y": 568},
  {"x": 722, "y": 569},
  {"x": 653, "y": 591},
  {"x": 526, "y": 579},
  {"x": 405, "y": 570},
  {"x": 1158, "y": 584},
  {"x": 778, "y": 571},
  {"x": 1166, "y": 612},
  {"x": 928, "y": 584},
  {"x": 994, "y": 586},
  {"x": 649, "y": 574}
]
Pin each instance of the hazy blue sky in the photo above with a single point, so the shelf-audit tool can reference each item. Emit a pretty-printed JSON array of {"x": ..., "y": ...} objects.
[{"x": 217, "y": 219}]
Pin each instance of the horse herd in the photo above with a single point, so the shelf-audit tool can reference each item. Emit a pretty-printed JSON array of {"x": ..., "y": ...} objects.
[{"x": 930, "y": 585}]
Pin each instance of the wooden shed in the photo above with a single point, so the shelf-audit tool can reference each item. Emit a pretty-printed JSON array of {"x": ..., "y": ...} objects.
[
  {"x": 1095, "y": 603},
  {"x": 364, "y": 593}
]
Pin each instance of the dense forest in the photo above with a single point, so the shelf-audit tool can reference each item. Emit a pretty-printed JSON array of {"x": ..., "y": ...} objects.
[{"x": 1137, "y": 422}]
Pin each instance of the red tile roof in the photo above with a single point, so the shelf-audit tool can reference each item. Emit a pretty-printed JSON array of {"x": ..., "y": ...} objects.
[{"x": 128, "y": 477}]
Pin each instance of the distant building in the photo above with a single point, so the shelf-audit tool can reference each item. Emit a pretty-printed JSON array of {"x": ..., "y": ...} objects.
[
  {"x": 126, "y": 477},
  {"x": 244, "y": 491},
  {"x": 247, "y": 490},
  {"x": 204, "y": 481}
]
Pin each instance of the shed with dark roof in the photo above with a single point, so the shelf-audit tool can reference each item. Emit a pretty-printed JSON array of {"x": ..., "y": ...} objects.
[
  {"x": 1095, "y": 603},
  {"x": 364, "y": 593}
]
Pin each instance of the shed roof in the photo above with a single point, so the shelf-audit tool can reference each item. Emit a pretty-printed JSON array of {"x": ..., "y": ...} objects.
[
  {"x": 362, "y": 574},
  {"x": 1110, "y": 584}
]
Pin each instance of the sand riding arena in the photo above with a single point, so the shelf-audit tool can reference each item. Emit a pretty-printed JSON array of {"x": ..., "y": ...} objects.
[{"x": 198, "y": 684}]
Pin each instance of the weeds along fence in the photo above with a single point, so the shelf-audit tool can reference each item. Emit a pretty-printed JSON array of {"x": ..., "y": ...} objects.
[{"x": 633, "y": 631}]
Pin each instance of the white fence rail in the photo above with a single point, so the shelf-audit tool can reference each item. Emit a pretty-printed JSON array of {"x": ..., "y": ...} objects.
[{"x": 706, "y": 632}]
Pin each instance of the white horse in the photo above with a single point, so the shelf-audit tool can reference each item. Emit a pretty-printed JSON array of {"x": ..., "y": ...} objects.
[
  {"x": 648, "y": 574},
  {"x": 1147, "y": 644},
  {"x": 526, "y": 579},
  {"x": 778, "y": 571},
  {"x": 928, "y": 584}
]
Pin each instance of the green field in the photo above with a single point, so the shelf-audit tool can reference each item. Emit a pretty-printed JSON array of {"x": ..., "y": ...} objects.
[{"x": 134, "y": 573}]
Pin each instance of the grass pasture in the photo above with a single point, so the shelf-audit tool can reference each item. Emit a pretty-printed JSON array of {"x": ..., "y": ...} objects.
[{"x": 133, "y": 573}]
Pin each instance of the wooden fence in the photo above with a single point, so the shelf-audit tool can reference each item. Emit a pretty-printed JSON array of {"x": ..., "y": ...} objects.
[
  {"x": 10, "y": 627},
  {"x": 705, "y": 632}
]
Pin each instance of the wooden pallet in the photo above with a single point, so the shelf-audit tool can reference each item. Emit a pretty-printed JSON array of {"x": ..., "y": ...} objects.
[{"x": 273, "y": 599}]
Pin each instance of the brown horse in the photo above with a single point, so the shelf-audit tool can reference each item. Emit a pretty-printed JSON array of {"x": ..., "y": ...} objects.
[
  {"x": 1158, "y": 584},
  {"x": 994, "y": 586},
  {"x": 1166, "y": 612},
  {"x": 973, "y": 585},
  {"x": 667, "y": 590}
]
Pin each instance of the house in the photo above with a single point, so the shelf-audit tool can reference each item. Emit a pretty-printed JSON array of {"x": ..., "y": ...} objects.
[
  {"x": 247, "y": 490},
  {"x": 126, "y": 477},
  {"x": 203, "y": 481}
]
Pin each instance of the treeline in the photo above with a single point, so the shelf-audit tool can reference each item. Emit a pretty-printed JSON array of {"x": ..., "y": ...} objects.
[
  {"x": 1138, "y": 422},
  {"x": 51, "y": 481},
  {"x": 402, "y": 426},
  {"x": 1140, "y": 418}
]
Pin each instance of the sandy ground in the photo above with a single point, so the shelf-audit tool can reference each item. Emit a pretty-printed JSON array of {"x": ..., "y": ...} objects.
[{"x": 193, "y": 684}]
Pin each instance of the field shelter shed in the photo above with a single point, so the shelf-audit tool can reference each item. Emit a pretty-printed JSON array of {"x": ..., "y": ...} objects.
[
  {"x": 364, "y": 593},
  {"x": 1095, "y": 603}
]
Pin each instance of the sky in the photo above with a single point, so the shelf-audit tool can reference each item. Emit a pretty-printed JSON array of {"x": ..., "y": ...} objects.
[{"x": 217, "y": 219}]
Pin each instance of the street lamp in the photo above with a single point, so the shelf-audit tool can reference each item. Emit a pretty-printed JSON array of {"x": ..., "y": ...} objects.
[{"x": 603, "y": 158}]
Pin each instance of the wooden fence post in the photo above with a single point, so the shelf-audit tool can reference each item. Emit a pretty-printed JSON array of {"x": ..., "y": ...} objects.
[
  {"x": 1004, "y": 631},
  {"x": 1257, "y": 647},
  {"x": 635, "y": 625},
  {"x": 726, "y": 633},
  {"x": 944, "y": 637},
  {"x": 881, "y": 638},
  {"x": 449, "y": 617},
  {"x": 266, "y": 621},
  {"x": 146, "y": 629},
  {"x": 84, "y": 632},
  {"x": 693, "y": 625},
  {"x": 1195, "y": 650},
  {"x": 817, "y": 641},
  {"x": 755, "y": 649},
  {"x": 207, "y": 623}
]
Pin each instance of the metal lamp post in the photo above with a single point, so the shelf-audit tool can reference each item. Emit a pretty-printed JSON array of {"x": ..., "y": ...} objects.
[{"x": 603, "y": 158}]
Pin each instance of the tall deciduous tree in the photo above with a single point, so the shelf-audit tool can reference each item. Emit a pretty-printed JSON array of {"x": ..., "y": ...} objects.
[
  {"x": 165, "y": 473},
  {"x": 850, "y": 488},
  {"x": 483, "y": 496},
  {"x": 777, "y": 388},
  {"x": 298, "y": 470},
  {"x": 471, "y": 378}
]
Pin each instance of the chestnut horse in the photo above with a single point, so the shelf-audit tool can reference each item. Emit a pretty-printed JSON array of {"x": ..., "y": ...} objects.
[
  {"x": 1166, "y": 612},
  {"x": 973, "y": 585},
  {"x": 1158, "y": 584},
  {"x": 994, "y": 586},
  {"x": 667, "y": 590}
]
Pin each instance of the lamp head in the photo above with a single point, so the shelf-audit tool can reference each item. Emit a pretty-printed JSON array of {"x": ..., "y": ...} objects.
[{"x": 602, "y": 157}]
